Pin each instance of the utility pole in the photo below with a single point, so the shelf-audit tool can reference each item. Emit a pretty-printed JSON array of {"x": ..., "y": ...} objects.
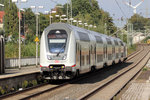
[
  {"x": 36, "y": 36},
  {"x": 105, "y": 28},
  {"x": 36, "y": 12},
  {"x": 129, "y": 35},
  {"x": 19, "y": 37},
  {"x": 19, "y": 2},
  {"x": 67, "y": 12},
  {"x": 71, "y": 10}
]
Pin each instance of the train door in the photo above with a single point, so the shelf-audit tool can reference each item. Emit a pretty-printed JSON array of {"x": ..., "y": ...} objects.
[
  {"x": 77, "y": 54},
  {"x": 120, "y": 51},
  {"x": 124, "y": 51},
  {"x": 105, "y": 52},
  {"x": 80, "y": 56},
  {"x": 113, "y": 52},
  {"x": 95, "y": 54},
  {"x": 89, "y": 55}
]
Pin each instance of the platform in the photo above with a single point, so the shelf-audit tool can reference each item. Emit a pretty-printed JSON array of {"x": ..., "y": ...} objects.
[
  {"x": 17, "y": 72},
  {"x": 14, "y": 78}
]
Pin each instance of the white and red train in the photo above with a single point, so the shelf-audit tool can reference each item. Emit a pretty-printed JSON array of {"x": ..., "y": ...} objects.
[{"x": 67, "y": 51}]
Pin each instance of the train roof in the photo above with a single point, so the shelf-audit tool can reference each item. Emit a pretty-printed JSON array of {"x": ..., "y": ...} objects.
[{"x": 71, "y": 27}]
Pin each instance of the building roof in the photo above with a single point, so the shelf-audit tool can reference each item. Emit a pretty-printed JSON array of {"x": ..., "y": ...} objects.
[{"x": 2, "y": 13}]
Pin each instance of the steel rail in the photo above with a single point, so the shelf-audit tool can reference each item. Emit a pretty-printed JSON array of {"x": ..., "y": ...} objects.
[
  {"x": 47, "y": 90},
  {"x": 92, "y": 93}
]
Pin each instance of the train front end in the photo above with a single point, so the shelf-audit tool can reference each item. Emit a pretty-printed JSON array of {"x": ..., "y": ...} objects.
[{"x": 57, "y": 57}]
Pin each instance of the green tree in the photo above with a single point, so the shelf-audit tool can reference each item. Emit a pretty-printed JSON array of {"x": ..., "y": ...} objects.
[
  {"x": 138, "y": 22},
  {"x": 29, "y": 20},
  {"x": 43, "y": 22},
  {"x": 11, "y": 20},
  {"x": 91, "y": 13}
]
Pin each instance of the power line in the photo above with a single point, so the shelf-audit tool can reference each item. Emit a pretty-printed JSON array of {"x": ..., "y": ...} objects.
[{"x": 120, "y": 8}]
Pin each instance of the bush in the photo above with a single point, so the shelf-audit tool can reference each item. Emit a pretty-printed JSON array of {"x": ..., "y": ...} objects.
[
  {"x": 27, "y": 50},
  {"x": 34, "y": 82},
  {"x": 25, "y": 84},
  {"x": 2, "y": 91}
]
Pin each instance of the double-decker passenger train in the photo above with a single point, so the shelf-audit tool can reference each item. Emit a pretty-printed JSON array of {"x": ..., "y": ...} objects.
[{"x": 67, "y": 51}]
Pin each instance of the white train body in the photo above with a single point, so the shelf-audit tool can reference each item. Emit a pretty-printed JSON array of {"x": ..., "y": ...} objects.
[{"x": 66, "y": 51}]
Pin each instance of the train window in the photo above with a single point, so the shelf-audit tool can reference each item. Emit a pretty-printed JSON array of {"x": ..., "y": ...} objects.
[
  {"x": 99, "y": 58},
  {"x": 57, "y": 40},
  {"x": 82, "y": 60},
  {"x": 116, "y": 42},
  {"x": 109, "y": 41},
  {"x": 98, "y": 39},
  {"x": 80, "y": 56},
  {"x": 109, "y": 56},
  {"x": 83, "y": 36},
  {"x": 57, "y": 34},
  {"x": 87, "y": 59},
  {"x": 76, "y": 48},
  {"x": 117, "y": 55},
  {"x": 121, "y": 43}
]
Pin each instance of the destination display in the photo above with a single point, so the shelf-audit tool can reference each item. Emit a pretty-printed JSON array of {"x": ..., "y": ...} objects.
[{"x": 57, "y": 40}]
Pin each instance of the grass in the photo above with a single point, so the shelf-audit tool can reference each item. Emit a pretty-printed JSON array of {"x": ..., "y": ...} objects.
[
  {"x": 145, "y": 68},
  {"x": 131, "y": 49}
]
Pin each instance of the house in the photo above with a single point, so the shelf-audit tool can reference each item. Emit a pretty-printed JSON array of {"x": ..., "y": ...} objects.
[{"x": 2, "y": 13}]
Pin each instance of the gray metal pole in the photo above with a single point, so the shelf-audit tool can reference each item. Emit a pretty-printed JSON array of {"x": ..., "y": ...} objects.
[
  {"x": 36, "y": 36},
  {"x": 67, "y": 12},
  {"x": 60, "y": 18},
  {"x": 19, "y": 38},
  {"x": 106, "y": 28},
  {"x": 71, "y": 10},
  {"x": 50, "y": 17}
]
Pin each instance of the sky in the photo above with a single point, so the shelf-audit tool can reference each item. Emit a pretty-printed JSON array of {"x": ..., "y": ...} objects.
[{"x": 107, "y": 5}]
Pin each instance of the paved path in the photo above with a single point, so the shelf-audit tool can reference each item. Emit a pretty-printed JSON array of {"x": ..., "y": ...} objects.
[{"x": 137, "y": 91}]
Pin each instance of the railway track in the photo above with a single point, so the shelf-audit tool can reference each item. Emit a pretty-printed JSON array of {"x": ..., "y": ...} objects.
[
  {"x": 107, "y": 90},
  {"x": 38, "y": 90},
  {"x": 138, "y": 51}
]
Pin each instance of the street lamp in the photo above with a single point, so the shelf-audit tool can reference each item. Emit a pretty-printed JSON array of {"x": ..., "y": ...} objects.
[
  {"x": 95, "y": 26},
  {"x": 36, "y": 12},
  {"x": 52, "y": 12},
  {"x": 75, "y": 21},
  {"x": 2, "y": 5},
  {"x": 19, "y": 2},
  {"x": 82, "y": 24},
  {"x": 65, "y": 19},
  {"x": 90, "y": 26},
  {"x": 70, "y": 10},
  {"x": 71, "y": 19},
  {"x": 60, "y": 16},
  {"x": 50, "y": 17},
  {"x": 79, "y": 22}
]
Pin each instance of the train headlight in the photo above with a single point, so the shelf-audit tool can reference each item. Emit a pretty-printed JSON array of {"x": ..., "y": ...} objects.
[
  {"x": 62, "y": 67},
  {"x": 51, "y": 67},
  {"x": 64, "y": 57},
  {"x": 49, "y": 57}
]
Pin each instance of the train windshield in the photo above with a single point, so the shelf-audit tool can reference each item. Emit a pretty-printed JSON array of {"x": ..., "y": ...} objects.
[{"x": 57, "y": 40}]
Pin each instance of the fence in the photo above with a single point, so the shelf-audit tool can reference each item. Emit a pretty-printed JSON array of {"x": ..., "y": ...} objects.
[
  {"x": 13, "y": 62},
  {"x": 2, "y": 56}
]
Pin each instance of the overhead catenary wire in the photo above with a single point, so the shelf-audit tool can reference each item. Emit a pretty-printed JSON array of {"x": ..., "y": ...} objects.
[{"x": 120, "y": 9}]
